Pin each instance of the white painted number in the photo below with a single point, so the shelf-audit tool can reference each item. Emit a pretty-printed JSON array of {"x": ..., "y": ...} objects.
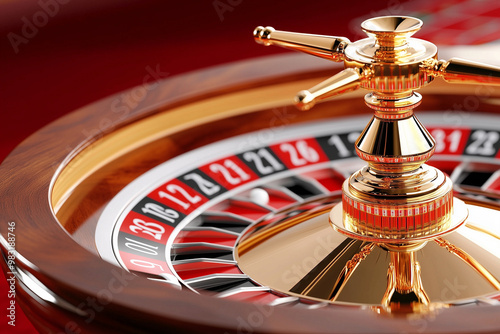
[
  {"x": 450, "y": 141},
  {"x": 483, "y": 143},
  {"x": 301, "y": 153},
  {"x": 175, "y": 189},
  {"x": 153, "y": 229},
  {"x": 168, "y": 215},
  {"x": 258, "y": 159},
  {"x": 146, "y": 264},
  {"x": 337, "y": 142},
  {"x": 231, "y": 172},
  {"x": 141, "y": 247},
  {"x": 207, "y": 187}
]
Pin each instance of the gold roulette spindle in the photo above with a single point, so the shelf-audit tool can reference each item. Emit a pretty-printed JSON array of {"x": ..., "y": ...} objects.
[{"x": 397, "y": 202}]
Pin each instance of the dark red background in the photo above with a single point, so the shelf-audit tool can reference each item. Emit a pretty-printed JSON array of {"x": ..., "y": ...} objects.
[{"x": 89, "y": 49}]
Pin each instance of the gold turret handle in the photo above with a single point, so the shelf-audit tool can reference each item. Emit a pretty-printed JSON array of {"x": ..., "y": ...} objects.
[
  {"x": 389, "y": 46},
  {"x": 327, "y": 47},
  {"x": 342, "y": 82},
  {"x": 458, "y": 70},
  {"x": 455, "y": 70}
]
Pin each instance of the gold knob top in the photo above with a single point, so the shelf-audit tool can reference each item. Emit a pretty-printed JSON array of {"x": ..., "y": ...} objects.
[
  {"x": 389, "y": 41},
  {"x": 391, "y": 31}
]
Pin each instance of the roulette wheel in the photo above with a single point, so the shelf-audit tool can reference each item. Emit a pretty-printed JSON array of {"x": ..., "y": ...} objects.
[{"x": 207, "y": 207}]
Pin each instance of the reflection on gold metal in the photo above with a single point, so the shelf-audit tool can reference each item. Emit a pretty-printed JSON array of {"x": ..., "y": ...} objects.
[
  {"x": 483, "y": 230},
  {"x": 470, "y": 261},
  {"x": 349, "y": 268},
  {"x": 463, "y": 71},
  {"x": 405, "y": 292},
  {"x": 345, "y": 81},
  {"x": 396, "y": 201},
  {"x": 328, "y": 47}
]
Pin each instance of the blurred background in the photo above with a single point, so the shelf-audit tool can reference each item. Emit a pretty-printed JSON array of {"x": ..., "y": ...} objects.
[{"x": 59, "y": 55}]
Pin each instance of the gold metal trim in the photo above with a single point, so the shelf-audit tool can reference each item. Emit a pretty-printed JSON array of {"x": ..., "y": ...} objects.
[
  {"x": 470, "y": 261},
  {"x": 403, "y": 278}
]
